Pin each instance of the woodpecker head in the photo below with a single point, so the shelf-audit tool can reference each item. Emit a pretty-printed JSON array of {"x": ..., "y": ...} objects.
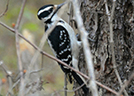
[{"x": 46, "y": 12}]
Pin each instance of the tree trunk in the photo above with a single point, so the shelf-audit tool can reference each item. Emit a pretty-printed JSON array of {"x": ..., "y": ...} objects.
[{"x": 96, "y": 23}]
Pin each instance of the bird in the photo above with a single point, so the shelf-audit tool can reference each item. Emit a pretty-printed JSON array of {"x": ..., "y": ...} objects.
[{"x": 63, "y": 42}]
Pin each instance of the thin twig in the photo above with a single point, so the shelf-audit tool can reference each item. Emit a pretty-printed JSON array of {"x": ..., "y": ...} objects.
[
  {"x": 20, "y": 14},
  {"x": 2, "y": 14},
  {"x": 36, "y": 71},
  {"x": 110, "y": 20},
  {"x": 97, "y": 5},
  {"x": 113, "y": 9},
  {"x": 10, "y": 90},
  {"x": 86, "y": 48},
  {"x": 7, "y": 27},
  {"x": 65, "y": 84},
  {"x": 21, "y": 92},
  {"x": 8, "y": 73},
  {"x": 126, "y": 84},
  {"x": 70, "y": 13},
  {"x": 107, "y": 88},
  {"x": 73, "y": 89}
]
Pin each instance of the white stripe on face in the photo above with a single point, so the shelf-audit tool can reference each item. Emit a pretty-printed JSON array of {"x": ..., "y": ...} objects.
[{"x": 46, "y": 9}]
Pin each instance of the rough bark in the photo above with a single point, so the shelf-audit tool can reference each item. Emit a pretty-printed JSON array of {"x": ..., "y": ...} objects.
[{"x": 96, "y": 23}]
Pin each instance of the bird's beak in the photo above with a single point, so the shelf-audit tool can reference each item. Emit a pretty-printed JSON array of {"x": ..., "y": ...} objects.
[{"x": 59, "y": 6}]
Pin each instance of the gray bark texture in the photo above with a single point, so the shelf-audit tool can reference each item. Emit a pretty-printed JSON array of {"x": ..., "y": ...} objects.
[{"x": 96, "y": 24}]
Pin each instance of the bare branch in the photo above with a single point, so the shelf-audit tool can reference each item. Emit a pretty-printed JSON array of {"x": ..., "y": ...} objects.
[
  {"x": 126, "y": 84},
  {"x": 86, "y": 48},
  {"x": 21, "y": 92},
  {"x": 20, "y": 14},
  {"x": 113, "y": 9},
  {"x": 2, "y": 14},
  {"x": 107, "y": 88},
  {"x": 10, "y": 90},
  {"x": 6, "y": 26},
  {"x": 35, "y": 71},
  {"x": 9, "y": 77},
  {"x": 110, "y": 19},
  {"x": 73, "y": 89},
  {"x": 65, "y": 85},
  {"x": 8, "y": 73}
]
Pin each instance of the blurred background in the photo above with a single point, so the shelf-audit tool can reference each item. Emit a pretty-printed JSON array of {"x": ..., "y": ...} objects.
[{"x": 33, "y": 30}]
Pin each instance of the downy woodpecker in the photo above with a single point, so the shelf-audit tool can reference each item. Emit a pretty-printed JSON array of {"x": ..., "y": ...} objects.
[{"x": 62, "y": 41}]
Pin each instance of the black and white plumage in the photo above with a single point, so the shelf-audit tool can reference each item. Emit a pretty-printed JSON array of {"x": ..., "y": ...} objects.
[{"x": 62, "y": 41}]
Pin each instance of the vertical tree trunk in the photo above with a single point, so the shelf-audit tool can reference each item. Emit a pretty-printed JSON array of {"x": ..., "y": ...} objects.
[{"x": 96, "y": 23}]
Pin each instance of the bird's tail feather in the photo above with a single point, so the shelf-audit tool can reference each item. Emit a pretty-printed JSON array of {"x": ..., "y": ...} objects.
[{"x": 80, "y": 82}]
